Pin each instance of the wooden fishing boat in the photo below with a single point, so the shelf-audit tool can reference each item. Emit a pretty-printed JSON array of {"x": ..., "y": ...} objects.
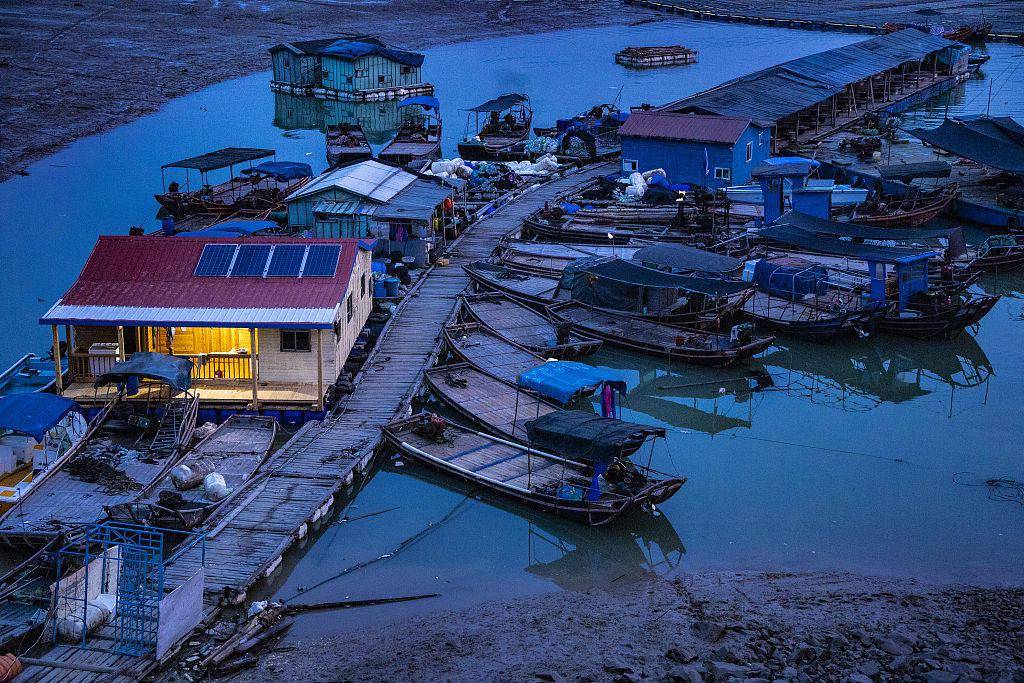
[
  {"x": 419, "y": 136},
  {"x": 816, "y": 317},
  {"x": 998, "y": 253},
  {"x": 497, "y": 406},
  {"x": 525, "y": 327},
  {"x": 257, "y": 188},
  {"x": 346, "y": 144},
  {"x": 689, "y": 346},
  {"x": 235, "y": 450},
  {"x": 937, "y": 315},
  {"x": 568, "y": 230},
  {"x": 506, "y": 124},
  {"x": 30, "y": 373},
  {"x": 561, "y": 484},
  {"x": 524, "y": 287},
  {"x": 476, "y": 344},
  {"x": 904, "y": 211},
  {"x": 550, "y": 259}
]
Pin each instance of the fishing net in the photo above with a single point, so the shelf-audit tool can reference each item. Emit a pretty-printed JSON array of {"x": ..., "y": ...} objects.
[{"x": 102, "y": 470}]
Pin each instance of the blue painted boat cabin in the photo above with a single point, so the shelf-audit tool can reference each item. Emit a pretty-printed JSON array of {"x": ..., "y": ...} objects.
[{"x": 705, "y": 150}]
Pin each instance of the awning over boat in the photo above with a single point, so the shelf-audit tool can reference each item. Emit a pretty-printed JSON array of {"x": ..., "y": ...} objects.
[
  {"x": 174, "y": 371},
  {"x": 34, "y": 413},
  {"x": 561, "y": 380},
  {"x": 683, "y": 257},
  {"x": 584, "y": 272},
  {"x": 582, "y": 436},
  {"x": 222, "y": 158},
  {"x": 795, "y": 237},
  {"x": 235, "y": 228},
  {"x": 997, "y": 142},
  {"x": 424, "y": 101},
  {"x": 283, "y": 170},
  {"x": 923, "y": 169},
  {"x": 500, "y": 103},
  {"x": 822, "y": 226}
]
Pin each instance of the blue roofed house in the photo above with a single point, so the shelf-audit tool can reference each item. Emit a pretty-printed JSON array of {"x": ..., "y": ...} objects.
[
  {"x": 400, "y": 208},
  {"x": 347, "y": 67},
  {"x": 707, "y": 150}
]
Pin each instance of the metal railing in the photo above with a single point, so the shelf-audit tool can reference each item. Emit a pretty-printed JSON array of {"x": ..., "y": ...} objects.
[{"x": 209, "y": 367}]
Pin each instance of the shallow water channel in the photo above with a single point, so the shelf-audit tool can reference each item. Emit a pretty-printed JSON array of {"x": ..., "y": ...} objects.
[{"x": 849, "y": 461}]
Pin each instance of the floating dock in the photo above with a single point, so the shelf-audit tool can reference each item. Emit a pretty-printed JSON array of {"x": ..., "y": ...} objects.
[{"x": 653, "y": 56}]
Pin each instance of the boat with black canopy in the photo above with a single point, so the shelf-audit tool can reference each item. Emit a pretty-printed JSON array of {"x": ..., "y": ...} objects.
[
  {"x": 346, "y": 144},
  {"x": 255, "y": 187},
  {"x": 574, "y": 464},
  {"x": 523, "y": 326},
  {"x": 897, "y": 277},
  {"x": 506, "y": 124},
  {"x": 682, "y": 259},
  {"x": 129, "y": 445},
  {"x": 419, "y": 135},
  {"x": 555, "y": 225}
]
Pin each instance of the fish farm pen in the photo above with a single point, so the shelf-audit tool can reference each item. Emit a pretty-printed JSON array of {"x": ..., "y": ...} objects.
[{"x": 661, "y": 55}]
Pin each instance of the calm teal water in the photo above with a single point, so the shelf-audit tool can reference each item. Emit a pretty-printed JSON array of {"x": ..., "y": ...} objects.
[{"x": 846, "y": 462}]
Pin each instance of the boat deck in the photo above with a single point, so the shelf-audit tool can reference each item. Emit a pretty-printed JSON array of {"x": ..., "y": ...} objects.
[
  {"x": 478, "y": 345},
  {"x": 222, "y": 393}
]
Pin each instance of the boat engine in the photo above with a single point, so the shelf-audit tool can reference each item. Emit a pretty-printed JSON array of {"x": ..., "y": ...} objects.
[
  {"x": 431, "y": 426},
  {"x": 742, "y": 333}
]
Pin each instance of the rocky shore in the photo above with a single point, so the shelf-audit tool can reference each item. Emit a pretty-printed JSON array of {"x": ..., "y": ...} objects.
[{"x": 702, "y": 627}]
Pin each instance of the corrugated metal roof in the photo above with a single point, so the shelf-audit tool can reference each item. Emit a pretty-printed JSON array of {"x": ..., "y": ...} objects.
[
  {"x": 131, "y": 277},
  {"x": 418, "y": 201},
  {"x": 370, "y": 179},
  {"x": 689, "y": 127},
  {"x": 176, "y": 316},
  {"x": 776, "y": 92},
  {"x": 354, "y": 207}
]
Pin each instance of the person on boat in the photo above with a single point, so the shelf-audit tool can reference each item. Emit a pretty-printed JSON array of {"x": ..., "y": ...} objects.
[
  {"x": 173, "y": 186},
  {"x": 493, "y": 122},
  {"x": 510, "y": 121}
]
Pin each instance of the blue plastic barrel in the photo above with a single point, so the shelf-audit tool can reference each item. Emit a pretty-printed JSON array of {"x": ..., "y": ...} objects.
[
  {"x": 391, "y": 286},
  {"x": 378, "y": 266},
  {"x": 379, "y": 290}
]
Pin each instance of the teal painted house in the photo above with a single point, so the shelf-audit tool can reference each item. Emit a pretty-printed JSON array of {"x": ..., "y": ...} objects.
[
  {"x": 346, "y": 67},
  {"x": 707, "y": 150}
]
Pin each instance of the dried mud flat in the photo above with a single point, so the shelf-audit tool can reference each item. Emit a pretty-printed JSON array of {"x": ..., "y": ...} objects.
[
  {"x": 72, "y": 68},
  {"x": 702, "y": 627}
]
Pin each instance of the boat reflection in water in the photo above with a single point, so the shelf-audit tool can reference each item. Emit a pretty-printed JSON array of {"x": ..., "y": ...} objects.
[
  {"x": 379, "y": 120},
  {"x": 576, "y": 556}
]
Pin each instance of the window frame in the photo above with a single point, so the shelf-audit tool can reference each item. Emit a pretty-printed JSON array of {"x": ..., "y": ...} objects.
[
  {"x": 630, "y": 165},
  {"x": 750, "y": 152},
  {"x": 723, "y": 173},
  {"x": 361, "y": 73},
  {"x": 349, "y": 308},
  {"x": 295, "y": 336}
]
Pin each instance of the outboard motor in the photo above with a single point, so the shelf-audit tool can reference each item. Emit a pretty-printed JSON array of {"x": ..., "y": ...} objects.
[{"x": 741, "y": 334}]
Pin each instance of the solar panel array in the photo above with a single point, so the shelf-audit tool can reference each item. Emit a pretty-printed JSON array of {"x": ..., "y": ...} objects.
[{"x": 268, "y": 260}]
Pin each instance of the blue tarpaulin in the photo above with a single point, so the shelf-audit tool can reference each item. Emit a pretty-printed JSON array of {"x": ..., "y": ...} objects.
[
  {"x": 235, "y": 228},
  {"x": 790, "y": 281},
  {"x": 561, "y": 380},
  {"x": 34, "y": 414},
  {"x": 424, "y": 101},
  {"x": 353, "y": 49},
  {"x": 283, "y": 170},
  {"x": 176, "y": 372}
]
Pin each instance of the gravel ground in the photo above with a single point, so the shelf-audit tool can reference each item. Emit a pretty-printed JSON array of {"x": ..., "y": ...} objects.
[{"x": 701, "y": 627}]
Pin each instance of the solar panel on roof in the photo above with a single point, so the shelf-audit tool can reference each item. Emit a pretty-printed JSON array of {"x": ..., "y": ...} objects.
[
  {"x": 251, "y": 260},
  {"x": 322, "y": 260},
  {"x": 286, "y": 261},
  {"x": 215, "y": 261}
]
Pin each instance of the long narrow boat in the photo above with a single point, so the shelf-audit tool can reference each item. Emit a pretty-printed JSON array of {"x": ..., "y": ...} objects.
[
  {"x": 689, "y": 346},
  {"x": 559, "y": 484},
  {"x": 550, "y": 259},
  {"x": 938, "y": 315},
  {"x": 235, "y": 450},
  {"x": 818, "y": 320},
  {"x": 911, "y": 211},
  {"x": 998, "y": 253},
  {"x": 506, "y": 124},
  {"x": 529, "y": 288},
  {"x": 346, "y": 144},
  {"x": 568, "y": 230},
  {"x": 498, "y": 406},
  {"x": 419, "y": 136},
  {"x": 474, "y": 343},
  {"x": 30, "y": 373},
  {"x": 525, "y": 327}
]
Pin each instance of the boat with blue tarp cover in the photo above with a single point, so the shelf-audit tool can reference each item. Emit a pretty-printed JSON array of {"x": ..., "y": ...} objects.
[
  {"x": 506, "y": 124},
  {"x": 38, "y": 433},
  {"x": 419, "y": 135},
  {"x": 572, "y": 464},
  {"x": 564, "y": 380},
  {"x": 30, "y": 373}
]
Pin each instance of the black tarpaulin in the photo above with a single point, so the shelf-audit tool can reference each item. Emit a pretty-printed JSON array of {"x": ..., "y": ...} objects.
[
  {"x": 683, "y": 257},
  {"x": 175, "y": 371},
  {"x": 822, "y": 226},
  {"x": 586, "y": 437},
  {"x": 631, "y": 272},
  {"x": 997, "y": 142},
  {"x": 795, "y": 237},
  {"x": 222, "y": 158},
  {"x": 500, "y": 103},
  {"x": 922, "y": 169}
]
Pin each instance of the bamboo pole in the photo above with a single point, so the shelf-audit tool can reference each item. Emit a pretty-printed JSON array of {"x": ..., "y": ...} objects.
[
  {"x": 252, "y": 368},
  {"x": 120, "y": 342},
  {"x": 319, "y": 370},
  {"x": 56, "y": 360}
]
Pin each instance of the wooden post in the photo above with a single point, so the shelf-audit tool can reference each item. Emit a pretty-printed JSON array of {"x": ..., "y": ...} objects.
[
  {"x": 56, "y": 360},
  {"x": 120, "y": 342},
  {"x": 319, "y": 370},
  {"x": 252, "y": 368}
]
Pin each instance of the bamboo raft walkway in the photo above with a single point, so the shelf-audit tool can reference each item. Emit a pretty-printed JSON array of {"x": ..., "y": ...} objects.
[{"x": 250, "y": 532}]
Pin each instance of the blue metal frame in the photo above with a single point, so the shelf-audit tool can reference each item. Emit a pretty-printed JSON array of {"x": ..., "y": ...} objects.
[{"x": 140, "y": 580}]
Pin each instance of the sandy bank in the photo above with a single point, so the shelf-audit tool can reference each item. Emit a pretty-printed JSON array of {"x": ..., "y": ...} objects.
[{"x": 708, "y": 626}]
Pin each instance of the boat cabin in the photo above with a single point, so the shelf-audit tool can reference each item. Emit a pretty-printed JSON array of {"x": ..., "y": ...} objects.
[
  {"x": 401, "y": 209},
  {"x": 701, "y": 150},
  {"x": 346, "y": 67},
  {"x": 266, "y": 322}
]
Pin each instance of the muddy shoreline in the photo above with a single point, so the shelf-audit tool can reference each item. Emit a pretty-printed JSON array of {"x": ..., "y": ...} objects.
[{"x": 714, "y": 626}]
